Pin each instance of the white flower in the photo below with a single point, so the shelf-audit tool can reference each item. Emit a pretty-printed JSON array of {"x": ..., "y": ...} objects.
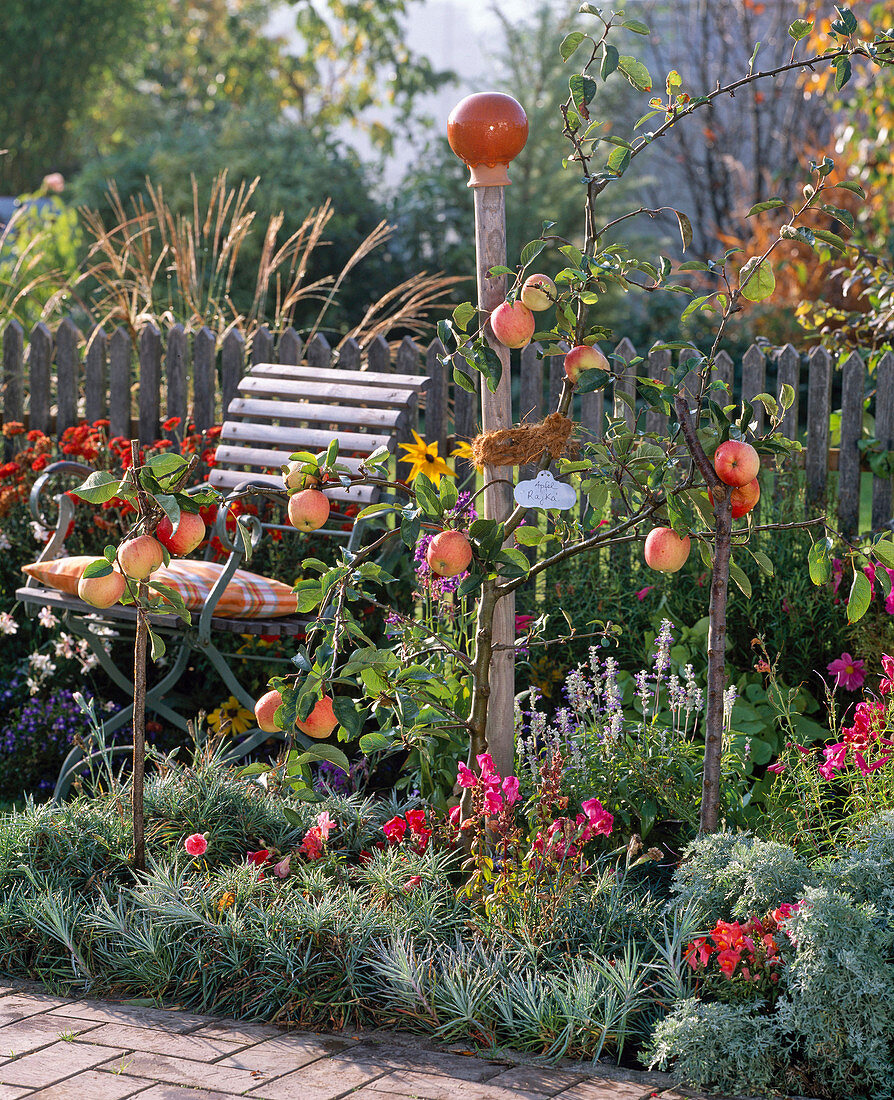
[
  {"x": 5, "y": 544},
  {"x": 8, "y": 625},
  {"x": 33, "y": 686},
  {"x": 40, "y": 533},
  {"x": 42, "y": 663},
  {"x": 65, "y": 647},
  {"x": 46, "y": 618}
]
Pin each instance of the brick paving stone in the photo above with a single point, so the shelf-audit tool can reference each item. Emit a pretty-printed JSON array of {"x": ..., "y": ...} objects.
[
  {"x": 176, "y": 1092},
  {"x": 13, "y": 1092},
  {"x": 238, "y": 1031},
  {"x": 22, "y": 1036},
  {"x": 126, "y": 1037},
  {"x": 286, "y": 1053},
  {"x": 537, "y": 1079},
  {"x": 52, "y": 1064},
  {"x": 165, "y": 1019},
  {"x": 429, "y": 1061},
  {"x": 428, "y": 1086},
  {"x": 182, "y": 1071},
  {"x": 606, "y": 1089},
  {"x": 323, "y": 1080},
  {"x": 19, "y": 1005},
  {"x": 94, "y": 1085}
]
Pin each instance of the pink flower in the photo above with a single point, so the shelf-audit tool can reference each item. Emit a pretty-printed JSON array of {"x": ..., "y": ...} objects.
[
  {"x": 643, "y": 592},
  {"x": 522, "y": 622},
  {"x": 486, "y": 764},
  {"x": 835, "y": 759},
  {"x": 601, "y": 821},
  {"x": 454, "y": 816},
  {"x": 776, "y": 769},
  {"x": 312, "y": 845},
  {"x": 412, "y": 883},
  {"x": 464, "y": 776},
  {"x": 869, "y": 570},
  {"x": 848, "y": 671},
  {"x": 785, "y": 910},
  {"x": 395, "y": 829},
  {"x": 837, "y": 574},
  {"x": 493, "y": 801},
  {"x": 196, "y": 844},
  {"x": 510, "y": 789},
  {"x": 281, "y": 869},
  {"x": 325, "y": 824},
  {"x": 867, "y": 769},
  {"x": 887, "y": 683},
  {"x": 260, "y": 857}
]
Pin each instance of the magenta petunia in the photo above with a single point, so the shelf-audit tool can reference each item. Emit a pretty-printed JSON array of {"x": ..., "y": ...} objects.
[
  {"x": 849, "y": 672},
  {"x": 196, "y": 845},
  {"x": 510, "y": 789},
  {"x": 464, "y": 776}
]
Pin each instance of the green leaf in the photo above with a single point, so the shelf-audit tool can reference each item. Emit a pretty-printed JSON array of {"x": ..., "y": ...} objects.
[
  {"x": 464, "y": 313},
  {"x": 635, "y": 25},
  {"x": 463, "y": 380},
  {"x": 763, "y": 561},
  {"x": 800, "y": 29},
  {"x": 685, "y": 228},
  {"x": 291, "y": 816},
  {"x": 329, "y": 753},
  {"x": 167, "y": 464},
  {"x": 610, "y": 59},
  {"x": 590, "y": 380},
  {"x": 636, "y": 72},
  {"x": 372, "y": 742},
  {"x": 831, "y": 239},
  {"x": 741, "y": 579},
  {"x": 618, "y": 160},
  {"x": 308, "y": 595},
  {"x": 531, "y": 249},
  {"x": 170, "y": 506},
  {"x": 158, "y": 645},
  {"x": 759, "y": 285},
  {"x": 786, "y": 396},
  {"x": 570, "y": 43},
  {"x": 99, "y": 568},
  {"x": 99, "y": 487},
  {"x": 839, "y": 214},
  {"x": 515, "y": 559},
  {"x": 500, "y": 269},
  {"x": 884, "y": 551},
  {"x": 426, "y": 497},
  {"x": 859, "y": 598},
  {"x": 760, "y": 207},
  {"x": 348, "y": 714},
  {"x": 529, "y": 536},
  {"x": 818, "y": 564},
  {"x": 842, "y": 76},
  {"x": 410, "y": 526},
  {"x": 850, "y": 185},
  {"x": 582, "y": 88}
]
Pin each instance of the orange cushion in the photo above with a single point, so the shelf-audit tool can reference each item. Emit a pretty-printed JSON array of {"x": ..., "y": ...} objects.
[{"x": 247, "y": 596}]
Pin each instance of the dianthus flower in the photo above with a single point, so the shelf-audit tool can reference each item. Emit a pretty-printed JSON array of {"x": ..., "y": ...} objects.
[{"x": 196, "y": 845}]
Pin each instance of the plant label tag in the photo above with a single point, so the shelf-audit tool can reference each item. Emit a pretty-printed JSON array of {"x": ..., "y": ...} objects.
[{"x": 545, "y": 492}]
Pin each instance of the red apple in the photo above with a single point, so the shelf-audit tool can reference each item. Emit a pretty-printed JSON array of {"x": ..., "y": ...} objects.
[
  {"x": 183, "y": 539},
  {"x": 265, "y": 709},
  {"x": 308, "y": 510},
  {"x": 102, "y": 591},
  {"x": 449, "y": 553},
  {"x": 736, "y": 463},
  {"x": 140, "y": 557},
  {"x": 584, "y": 357},
  {"x": 321, "y": 721},
  {"x": 665, "y": 551},
  {"x": 742, "y": 498},
  {"x": 513, "y": 324},
  {"x": 538, "y": 293}
]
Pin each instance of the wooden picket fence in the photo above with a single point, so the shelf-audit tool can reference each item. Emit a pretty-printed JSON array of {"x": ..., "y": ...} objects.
[{"x": 66, "y": 377}]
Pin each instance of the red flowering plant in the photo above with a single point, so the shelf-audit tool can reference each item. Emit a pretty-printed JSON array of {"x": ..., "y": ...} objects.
[{"x": 742, "y": 960}]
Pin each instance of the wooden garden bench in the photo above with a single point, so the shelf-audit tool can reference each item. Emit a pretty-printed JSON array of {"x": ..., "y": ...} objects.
[{"x": 277, "y": 410}]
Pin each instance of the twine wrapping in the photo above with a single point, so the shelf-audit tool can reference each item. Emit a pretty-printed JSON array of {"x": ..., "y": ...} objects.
[{"x": 524, "y": 444}]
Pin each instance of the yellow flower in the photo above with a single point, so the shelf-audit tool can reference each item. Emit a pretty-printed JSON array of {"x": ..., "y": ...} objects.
[
  {"x": 423, "y": 459},
  {"x": 464, "y": 450},
  {"x": 231, "y": 717}
]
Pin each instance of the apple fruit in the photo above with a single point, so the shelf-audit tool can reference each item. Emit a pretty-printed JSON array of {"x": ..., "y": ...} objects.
[
  {"x": 513, "y": 324},
  {"x": 183, "y": 538},
  {"x": 584, "y": 357},
  {"x": 321, "y": 721},
  {"x": 102, "y": 591},
  {"x": 295, "y": 478},
  {"x": 448, "y": 553},
  {"x": 742, "y": 498},
  {"x": 140, "y": 557},
  {"x": 265, "y": 709},
  {"x": 736, "y": 463},
  {"x": 665, "y": 551},
  {"x": 308, "y": 510},
  {"x": 538, "y": 292}
]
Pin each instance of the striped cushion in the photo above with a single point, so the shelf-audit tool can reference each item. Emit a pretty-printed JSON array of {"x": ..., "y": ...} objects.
[{"x": 247, "y": 596}]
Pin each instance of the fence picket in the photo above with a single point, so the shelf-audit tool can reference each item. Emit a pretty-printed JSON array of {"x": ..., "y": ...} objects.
[
  {"x": 232, "y": 366},
  {"x": 95, "y": 376},
  {"x": 176, "y": 357},
  {"x": 724, "y": 371},
  {"x": 884, "y": 433},
  {"x": 262, "y": 346},
  {"x": 754, "y": 380},
  {"x": 148, "y": 393},
  {"x": 659, "y": 364},
  {"x": 14, "y": 373},
  {"x": 319, "y": 352},
  {"x": 407, "y": 362},
  {"x": 465, "y": 417},
  {"x": 291, "y": 348},
  {"x": 68, "y": 337},
  {"x": 204, "y": 378},
  {"x": 531, "y": 394},
  {"x": 435, "y": 397},
  {"x": 852, "y": 381},
  {"x": 626, "y": 383},
  {"x": 349, "y": 354},
  {"x": 39, "y": 376},
  {"x": 378, "y": 356},
  {"x": 788, "y": 373},
  {"x": 120, "y": 355}
]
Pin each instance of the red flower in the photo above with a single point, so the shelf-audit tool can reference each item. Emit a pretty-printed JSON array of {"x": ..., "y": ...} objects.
[
  {"x": 171, "y": 423},
  {"x": 260, "y": 857},
  {"x": 395, "y": 829}
]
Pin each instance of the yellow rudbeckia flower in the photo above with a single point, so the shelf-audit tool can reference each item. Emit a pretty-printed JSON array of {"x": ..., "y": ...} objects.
[
  {"x": 231, "y": 717},
  {"x": 423, "y": 459},
  {"x": 464, "y": 450}
]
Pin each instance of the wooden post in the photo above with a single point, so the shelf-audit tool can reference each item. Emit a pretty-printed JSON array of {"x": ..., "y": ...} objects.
[{"x": 487, "y": 131}]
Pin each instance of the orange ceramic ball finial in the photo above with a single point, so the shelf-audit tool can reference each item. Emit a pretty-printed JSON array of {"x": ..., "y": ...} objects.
[{"x": 486, "y": 131}]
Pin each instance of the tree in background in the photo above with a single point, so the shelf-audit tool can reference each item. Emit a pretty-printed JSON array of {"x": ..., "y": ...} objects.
[{"x": 56, "y": 52}]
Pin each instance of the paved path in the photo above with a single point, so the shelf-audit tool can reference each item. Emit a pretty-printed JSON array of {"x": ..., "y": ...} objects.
[{"x": 53, "y": 1048}]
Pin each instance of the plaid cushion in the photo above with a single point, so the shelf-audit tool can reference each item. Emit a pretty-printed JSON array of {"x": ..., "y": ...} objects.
[{"x": 247, "y": 596}]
